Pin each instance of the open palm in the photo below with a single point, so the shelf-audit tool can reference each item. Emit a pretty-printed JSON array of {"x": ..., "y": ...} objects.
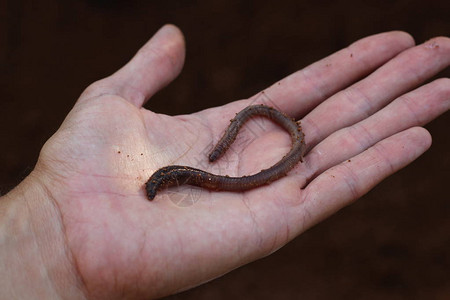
[{"x": 359, "y": 110}]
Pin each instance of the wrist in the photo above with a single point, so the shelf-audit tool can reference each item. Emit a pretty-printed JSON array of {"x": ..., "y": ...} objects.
[{"x": 34, "y": 259}]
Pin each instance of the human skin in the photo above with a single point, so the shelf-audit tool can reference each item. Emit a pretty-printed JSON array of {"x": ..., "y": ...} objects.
[{"x": 80, "y": 225}]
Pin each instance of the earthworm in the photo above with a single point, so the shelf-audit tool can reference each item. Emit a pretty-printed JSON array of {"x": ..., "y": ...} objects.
[{"x": 176, "y": 175}]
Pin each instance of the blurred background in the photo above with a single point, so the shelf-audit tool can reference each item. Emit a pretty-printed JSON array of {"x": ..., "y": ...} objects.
[{"x": 394, "y": 243}]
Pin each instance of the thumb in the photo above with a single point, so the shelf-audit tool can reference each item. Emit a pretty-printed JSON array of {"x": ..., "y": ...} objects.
[{"x": 154, "y": 66}]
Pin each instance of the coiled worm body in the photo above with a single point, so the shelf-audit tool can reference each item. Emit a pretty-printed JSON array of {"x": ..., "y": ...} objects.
[{"x": 177, "y": 175}]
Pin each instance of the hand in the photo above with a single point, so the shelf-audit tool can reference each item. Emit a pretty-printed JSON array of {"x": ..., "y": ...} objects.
[{"x": 360, "y": 110}]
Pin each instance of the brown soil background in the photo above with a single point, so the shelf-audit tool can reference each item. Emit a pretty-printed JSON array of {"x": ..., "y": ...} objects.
[{"x": 392, "y": 244}]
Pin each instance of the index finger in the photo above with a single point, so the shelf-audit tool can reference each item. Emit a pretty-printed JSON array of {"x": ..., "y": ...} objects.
[{"x": 303, "y": 90}]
